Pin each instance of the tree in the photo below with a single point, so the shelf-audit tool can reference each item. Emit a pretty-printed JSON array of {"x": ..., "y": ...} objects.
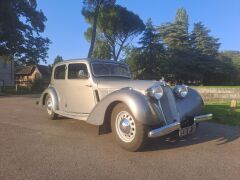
[
  {"x": 21, "y": 25},
  {"x": 178, "y": 48},
  {"x": 182, "y": 18},
  {"x": 146, "y": 61},
  {"x": 101, "y": 49},
  {"x": 116, "y": 28},
  {"x": 58, "y": 59},
  {"x": 175, "y": 35},
  {"x": 152, "y": 52},
  {"x": 90, "y": 11},
  {"x": 202, "y": 42}
]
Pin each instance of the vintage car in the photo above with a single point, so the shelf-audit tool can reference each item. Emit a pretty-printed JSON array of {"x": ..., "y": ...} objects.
[{"x": 103, "y": 93}]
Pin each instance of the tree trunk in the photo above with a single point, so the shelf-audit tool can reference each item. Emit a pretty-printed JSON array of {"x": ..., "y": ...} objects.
[{"x": 94, "y": 32}]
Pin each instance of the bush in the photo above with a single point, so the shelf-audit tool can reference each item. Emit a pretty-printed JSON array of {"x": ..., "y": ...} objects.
[{"x": 38, "y": 85}]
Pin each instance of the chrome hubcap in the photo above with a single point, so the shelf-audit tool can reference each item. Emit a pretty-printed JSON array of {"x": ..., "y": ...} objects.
[
  {"x": 125, "y": 126},
  {"x": 49, "y": 106}
]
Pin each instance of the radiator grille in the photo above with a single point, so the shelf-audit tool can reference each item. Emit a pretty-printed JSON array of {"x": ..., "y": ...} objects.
[{"x": 168, "y": 105}]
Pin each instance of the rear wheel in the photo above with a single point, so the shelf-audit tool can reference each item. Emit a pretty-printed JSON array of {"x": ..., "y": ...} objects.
[
  {"x": 49, "y": 107},
  {"x": 129, "y": 133}
]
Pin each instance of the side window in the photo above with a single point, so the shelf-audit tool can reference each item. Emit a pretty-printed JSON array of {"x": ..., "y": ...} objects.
[
  {"x": 77, "y": 71},
  {"x": 60, "y": 72}
]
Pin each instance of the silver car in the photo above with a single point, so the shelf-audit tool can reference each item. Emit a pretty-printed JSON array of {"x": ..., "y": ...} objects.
[{"x": 103, "y": 93}]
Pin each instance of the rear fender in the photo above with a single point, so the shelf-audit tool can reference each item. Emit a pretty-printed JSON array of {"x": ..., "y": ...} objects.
[{"x": 53, "y": 94}]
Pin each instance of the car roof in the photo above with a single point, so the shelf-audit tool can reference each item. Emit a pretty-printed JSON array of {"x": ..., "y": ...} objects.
[{"x": 89, "y": 60}]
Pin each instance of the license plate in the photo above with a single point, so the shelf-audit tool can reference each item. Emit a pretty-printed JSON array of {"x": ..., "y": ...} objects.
[{"x": 187, "y": 130}]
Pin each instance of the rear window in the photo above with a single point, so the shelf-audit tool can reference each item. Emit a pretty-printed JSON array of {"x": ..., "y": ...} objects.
[
  {"x": 77, "y": 71},
  {"x": 60, "y": 72}
]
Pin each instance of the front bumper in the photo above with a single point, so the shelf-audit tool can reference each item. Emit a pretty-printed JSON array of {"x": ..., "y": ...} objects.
[{"x": 176, "y": 126}]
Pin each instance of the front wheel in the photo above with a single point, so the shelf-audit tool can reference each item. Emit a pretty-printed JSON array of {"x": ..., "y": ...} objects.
[
  {"x": 49, "y": 107},
  {"x": 129, "y": 133}
]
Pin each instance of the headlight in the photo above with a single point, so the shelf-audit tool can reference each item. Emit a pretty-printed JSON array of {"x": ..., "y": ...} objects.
[
  {"x": 181, "y": 91},
  {"x": 155, "y": 92}
]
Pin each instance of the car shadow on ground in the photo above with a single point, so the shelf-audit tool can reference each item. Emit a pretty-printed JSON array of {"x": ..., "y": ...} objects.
[{"x": 207, "y": 131}]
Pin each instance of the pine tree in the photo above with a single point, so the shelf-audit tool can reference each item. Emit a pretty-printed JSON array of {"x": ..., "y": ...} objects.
[
  {"x": 182, "y": 18},
  {"x": 147, "y": 59},
  {"x": 175, "y": 35},
  {"x": 202, "y": 42}
]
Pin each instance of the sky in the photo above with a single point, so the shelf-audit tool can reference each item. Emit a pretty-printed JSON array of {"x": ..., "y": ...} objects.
[{"x": 65, "y": 26}]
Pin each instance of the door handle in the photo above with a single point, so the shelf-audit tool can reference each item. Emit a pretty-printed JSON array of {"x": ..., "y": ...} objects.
[{"x": 89, "y": 85}]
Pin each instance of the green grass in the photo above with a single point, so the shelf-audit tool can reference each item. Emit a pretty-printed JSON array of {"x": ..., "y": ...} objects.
[
  {"x": 223, "y": 114},
  {"x": 215, "y": 86}
]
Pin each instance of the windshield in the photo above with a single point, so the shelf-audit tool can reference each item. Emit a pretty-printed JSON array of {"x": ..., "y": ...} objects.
[{"x": 110, "y": 69}]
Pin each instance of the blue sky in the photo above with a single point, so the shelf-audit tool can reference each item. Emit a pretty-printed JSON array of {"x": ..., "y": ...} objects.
[{"x": 65, "y": 26}]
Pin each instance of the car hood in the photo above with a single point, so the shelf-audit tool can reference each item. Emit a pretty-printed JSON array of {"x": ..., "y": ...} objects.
[{"x": 115, "y": 84}]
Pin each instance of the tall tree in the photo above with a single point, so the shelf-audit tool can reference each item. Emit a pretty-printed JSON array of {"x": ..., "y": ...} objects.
[
  {"x": 177, "y": 42},
  {"x": 101, "y": 50},
  {"x": 91, "y": 10},
  {"x": 182, "y": 18},
  {"x": 202, "y": 42},
  {"x": 21, "y": 25},
  {"x": 152, "y": 51},
  {"x": 146, "y": 61},
  {"x": 118, "y": 27},
  {"x": 57, "y": 59},
  {"x": 175, "y": 35}
]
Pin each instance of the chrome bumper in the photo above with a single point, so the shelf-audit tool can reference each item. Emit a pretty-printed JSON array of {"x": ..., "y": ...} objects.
[{"x": 175, "y": 126}]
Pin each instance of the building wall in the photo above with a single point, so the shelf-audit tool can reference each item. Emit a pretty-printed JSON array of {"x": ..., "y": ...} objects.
[
  {"x": 6, "y": 73},
  {"x": 26, "y": 81}
]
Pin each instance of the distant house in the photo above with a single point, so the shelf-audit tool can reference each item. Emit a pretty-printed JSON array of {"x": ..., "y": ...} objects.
[
  {"x": 25, "y": 76},
  {"x": 6, "y": 72}
]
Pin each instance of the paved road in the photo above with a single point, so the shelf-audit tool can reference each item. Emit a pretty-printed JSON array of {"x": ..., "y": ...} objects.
[{"x": 33, "y": 147}]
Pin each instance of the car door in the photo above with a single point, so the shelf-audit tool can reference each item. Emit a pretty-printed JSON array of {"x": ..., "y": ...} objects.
[
  {"x": 59, "y": 84},
  {"x": 80, "y": 96}
]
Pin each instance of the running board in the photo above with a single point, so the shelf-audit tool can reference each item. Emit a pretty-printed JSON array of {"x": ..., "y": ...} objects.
[{"x": 77, "y": 116}]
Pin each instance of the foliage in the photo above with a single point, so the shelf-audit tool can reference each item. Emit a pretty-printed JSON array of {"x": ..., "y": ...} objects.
[
  {"x": 234, "y": 56},
  {"x": 202, "y": 42},
  {"x": 145, "y": 59},
  {"x": 183, "y": 56},
  {"x": 58, "y": 59},
  {"x": 116, "y": 27},
  {"x": 90, "y": 11},
  {"x": 38, "y": 85},
  {"x": 21, "y": 25},
  {"x": 175, "y": 35}
]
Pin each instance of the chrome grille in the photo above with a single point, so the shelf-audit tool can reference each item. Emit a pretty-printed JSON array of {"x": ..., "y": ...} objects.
[{"x": 168, "y": 105}]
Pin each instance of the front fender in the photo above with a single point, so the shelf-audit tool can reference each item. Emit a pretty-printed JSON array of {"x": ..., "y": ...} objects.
[
  {"x": 53, "y": 94},
  {"x": 140, "y": 106},
  {"x": 190, "y": 106}
]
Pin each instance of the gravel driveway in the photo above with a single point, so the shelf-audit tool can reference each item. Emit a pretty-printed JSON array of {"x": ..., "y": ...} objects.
[{"x": 33, "y": 147}]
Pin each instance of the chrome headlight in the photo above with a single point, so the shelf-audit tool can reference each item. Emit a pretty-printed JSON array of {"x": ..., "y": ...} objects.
[
  {"x": 155, "y": 91},
  {"x": 181, "y": 91}
]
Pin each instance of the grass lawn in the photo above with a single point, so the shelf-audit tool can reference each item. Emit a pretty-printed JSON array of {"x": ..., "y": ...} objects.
[
  {"x": 223, "y": 114},
  {"x": 215, "y": 86}
]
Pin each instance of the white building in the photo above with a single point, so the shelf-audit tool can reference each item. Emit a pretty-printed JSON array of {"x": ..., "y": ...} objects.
[{"x": 6, "y": 72}]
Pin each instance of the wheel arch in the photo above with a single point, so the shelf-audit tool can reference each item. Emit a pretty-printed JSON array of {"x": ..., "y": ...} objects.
[
  {"x": 137, "y": 103},
  {"x": 53, "y": 94}
]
